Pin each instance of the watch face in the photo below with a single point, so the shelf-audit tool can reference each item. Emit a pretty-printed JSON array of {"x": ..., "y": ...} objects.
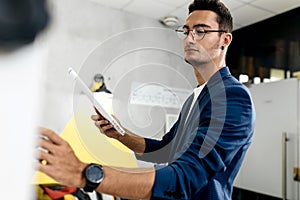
[{"x": 94, "y": 173}]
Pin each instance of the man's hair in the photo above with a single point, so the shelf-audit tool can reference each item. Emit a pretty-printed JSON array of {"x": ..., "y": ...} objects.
[{"x": 224, "y": 17}]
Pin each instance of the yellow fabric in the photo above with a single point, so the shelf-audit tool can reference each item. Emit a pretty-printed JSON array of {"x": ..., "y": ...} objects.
[
  {"x": 40, "y": 194},
  {"x": 69, "y": 197},
  {"x": 106, "y": 151}
]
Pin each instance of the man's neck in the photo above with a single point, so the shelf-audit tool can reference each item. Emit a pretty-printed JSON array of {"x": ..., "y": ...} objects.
[{"x": 204, "y": 72}]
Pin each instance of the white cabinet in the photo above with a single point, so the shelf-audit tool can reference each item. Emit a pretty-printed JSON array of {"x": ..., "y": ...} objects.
[{"x": 277, "y": 110}]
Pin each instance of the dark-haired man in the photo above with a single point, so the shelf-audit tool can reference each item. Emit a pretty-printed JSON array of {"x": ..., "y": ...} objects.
[{"x": 205, "y": 147}]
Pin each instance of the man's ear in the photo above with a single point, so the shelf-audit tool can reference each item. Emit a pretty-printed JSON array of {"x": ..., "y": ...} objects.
[{"x": 227, "y": 39}]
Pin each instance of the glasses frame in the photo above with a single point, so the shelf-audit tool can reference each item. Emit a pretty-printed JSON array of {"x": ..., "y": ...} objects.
[{"x": 194, "y": 32}]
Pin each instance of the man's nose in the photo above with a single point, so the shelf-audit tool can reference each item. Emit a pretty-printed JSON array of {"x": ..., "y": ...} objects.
[{"x": 190, "y": 37}]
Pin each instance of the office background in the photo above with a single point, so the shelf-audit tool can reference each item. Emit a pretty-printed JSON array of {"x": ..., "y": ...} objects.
[{"x": 79, "y": 27}]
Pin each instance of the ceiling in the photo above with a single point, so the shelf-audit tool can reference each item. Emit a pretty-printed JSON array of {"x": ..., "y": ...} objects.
[{"x": 245, "y": 12}]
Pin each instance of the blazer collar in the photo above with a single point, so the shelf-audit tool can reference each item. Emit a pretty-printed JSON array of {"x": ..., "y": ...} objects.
[
  {"x": 216, "y": 79},
  {"x": 218, "y": 76}
]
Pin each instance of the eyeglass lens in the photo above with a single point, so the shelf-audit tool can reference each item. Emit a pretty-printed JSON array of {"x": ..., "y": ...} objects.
[{"x": 198, "y": 32}]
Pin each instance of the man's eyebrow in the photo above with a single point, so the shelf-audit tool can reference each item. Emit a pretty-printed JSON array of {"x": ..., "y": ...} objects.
[{"x": 197, "y": 25}]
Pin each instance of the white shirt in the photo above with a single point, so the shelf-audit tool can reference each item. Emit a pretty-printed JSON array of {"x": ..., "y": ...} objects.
[{"x": 197, "y": 92}]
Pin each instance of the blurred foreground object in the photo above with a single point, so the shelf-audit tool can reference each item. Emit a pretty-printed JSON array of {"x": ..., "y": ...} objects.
[
  {"x": 20, "y": 72},
  {"x": 21, "y": 21}
]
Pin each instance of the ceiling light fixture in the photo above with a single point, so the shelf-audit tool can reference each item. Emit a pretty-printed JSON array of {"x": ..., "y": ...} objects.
[{"x": 170, "y": 21}]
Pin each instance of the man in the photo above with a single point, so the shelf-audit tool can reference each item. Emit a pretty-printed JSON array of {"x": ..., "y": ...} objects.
[{"x": 204, "y": 149}]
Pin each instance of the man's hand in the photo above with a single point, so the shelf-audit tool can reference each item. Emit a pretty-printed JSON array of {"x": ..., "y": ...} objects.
[
  {"x": 130, "y": 140},
  {"x": 105, "y": 127},
  {"x": 59, "y": 160}
]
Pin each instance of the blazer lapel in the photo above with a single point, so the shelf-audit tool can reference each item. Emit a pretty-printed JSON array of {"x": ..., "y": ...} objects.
[
  {"x": 195, "y": 108},
  {"x": 183, "y": 114},
  {"x": 188, "y": 127}
]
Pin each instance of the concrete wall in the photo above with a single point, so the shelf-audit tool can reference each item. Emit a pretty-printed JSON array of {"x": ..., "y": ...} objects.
[{"x": 125, "y": 48}]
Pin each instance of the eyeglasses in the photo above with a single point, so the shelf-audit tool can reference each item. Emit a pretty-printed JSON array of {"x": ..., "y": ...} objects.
[{"x": 198, "y": 32}]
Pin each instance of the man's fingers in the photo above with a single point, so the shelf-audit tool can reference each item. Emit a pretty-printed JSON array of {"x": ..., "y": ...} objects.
[
  {"x": 101, "y": 123},
  {"x": 95, "y": 117},
  {"x": 51, "y": 135},
  {"x": 44, "y": 157},
  {"x": 47, "y": 169},
  {"x": 46, "y": 145},
  {"x": 105, "y": 128}
]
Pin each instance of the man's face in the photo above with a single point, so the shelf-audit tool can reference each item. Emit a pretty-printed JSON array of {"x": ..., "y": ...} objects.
[{"x": 208, "y": 49}]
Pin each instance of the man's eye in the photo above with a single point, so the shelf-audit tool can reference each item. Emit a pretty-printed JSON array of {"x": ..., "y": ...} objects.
[{"x": 199, "y": 31}]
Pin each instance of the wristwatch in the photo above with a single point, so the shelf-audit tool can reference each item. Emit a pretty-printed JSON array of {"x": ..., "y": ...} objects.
[{"x": 94, "y": 175}]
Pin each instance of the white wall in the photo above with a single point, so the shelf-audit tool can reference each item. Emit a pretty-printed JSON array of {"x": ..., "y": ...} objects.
[{"x": 96, "y": 39}]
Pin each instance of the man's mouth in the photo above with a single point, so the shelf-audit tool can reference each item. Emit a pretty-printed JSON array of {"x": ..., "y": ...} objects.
[{"x": 190, "y": 50}]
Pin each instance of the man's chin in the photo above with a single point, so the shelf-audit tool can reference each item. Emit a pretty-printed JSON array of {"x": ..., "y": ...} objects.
[
  {"x": 187, "y": 61},
  {"x": 190, "y": 61}
]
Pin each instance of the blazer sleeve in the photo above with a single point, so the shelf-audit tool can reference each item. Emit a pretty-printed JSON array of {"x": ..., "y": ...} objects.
[
  {"x": 225, "y": 128},
  {"x": 157, "y": 151}
]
